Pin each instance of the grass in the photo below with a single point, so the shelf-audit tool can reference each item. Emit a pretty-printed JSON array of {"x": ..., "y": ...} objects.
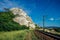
[
  {"x": 13, "y": 35},
  {"x": 18, "y": 35}
]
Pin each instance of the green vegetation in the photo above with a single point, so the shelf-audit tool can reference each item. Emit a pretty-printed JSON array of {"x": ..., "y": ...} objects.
[
  {"x": 7, "y": 23},
  {"x": 37, "y": 27},
  {"x": 10, "y": 30},
  {"x": 57, "y": 29},
  {"x": 13, "y": 35},
  {"x": 18, "y": 35}
]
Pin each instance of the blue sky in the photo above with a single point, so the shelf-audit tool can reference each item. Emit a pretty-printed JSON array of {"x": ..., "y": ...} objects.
[{"x": 36, "y": 9}]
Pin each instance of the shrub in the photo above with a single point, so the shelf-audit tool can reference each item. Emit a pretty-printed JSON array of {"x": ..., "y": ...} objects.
[{"x": 7, "y": 24}]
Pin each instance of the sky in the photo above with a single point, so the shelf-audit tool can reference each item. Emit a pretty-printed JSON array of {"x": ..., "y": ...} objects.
[{"x": 36, "y": 9}]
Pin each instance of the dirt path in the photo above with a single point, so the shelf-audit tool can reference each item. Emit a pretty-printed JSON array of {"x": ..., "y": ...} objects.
[{"x": 28, "y": 36}]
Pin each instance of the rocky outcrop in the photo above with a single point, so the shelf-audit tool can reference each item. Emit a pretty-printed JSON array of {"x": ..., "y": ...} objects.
[{"x": 22, "y": 18}]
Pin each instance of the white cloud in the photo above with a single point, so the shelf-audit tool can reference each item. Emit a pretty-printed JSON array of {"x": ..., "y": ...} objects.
[
  {"x": 8, "y": 2},
  {"x": 52, "y": 19},
  {"x": 1, "y": 3}
]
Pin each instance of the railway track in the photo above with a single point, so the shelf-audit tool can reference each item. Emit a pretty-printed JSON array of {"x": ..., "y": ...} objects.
[{"x": 46, "y": 36}]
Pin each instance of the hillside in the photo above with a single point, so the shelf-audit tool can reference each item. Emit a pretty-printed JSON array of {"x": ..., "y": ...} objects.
[
  {"x": 7, "y": 23},
  {"x": 22, "y": 18}
]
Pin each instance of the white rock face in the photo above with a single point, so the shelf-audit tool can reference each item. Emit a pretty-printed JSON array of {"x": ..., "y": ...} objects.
[{"x": 22, "y": 18}]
